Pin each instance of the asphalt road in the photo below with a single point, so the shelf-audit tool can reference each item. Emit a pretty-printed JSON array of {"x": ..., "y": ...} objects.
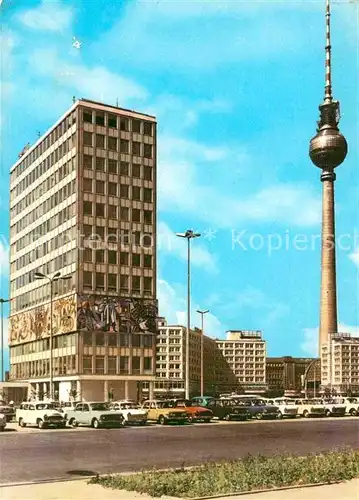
[{"x": 50, "y": 455}]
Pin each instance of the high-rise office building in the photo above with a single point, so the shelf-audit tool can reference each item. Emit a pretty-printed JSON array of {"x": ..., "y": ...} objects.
[{"x": 83, "y": 206}]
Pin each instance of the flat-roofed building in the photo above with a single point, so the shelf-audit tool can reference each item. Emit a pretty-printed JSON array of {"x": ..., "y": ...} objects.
[
  {"x": 340, "y": 364},
  {"x": 171, "y": 363},
  {"x": 245, "y": 353},
  {"x": 83, "y": 204}
]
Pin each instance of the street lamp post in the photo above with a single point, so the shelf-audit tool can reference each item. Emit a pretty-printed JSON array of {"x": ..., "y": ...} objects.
[
  {"x": 202, "y": 313},
  {"x": 2, "y": 302},
  {"x": 56, "y": 277},
  {"x": 189, "y": 234}
]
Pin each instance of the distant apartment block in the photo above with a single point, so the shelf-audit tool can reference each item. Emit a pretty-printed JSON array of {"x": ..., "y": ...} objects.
[
  {"x": 340, "y": 364},
  {"x": 83, "y": 203},
  {"x": 171, "y": 363},
  {"x": 245, "y": 353}
]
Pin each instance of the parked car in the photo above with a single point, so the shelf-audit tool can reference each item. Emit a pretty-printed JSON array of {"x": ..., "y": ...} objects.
[
  {"x": 286, "y": 407},
  {"x": 95, "y": 414},
  {"x": 8, "y": 411},
  {"x": 41, "y": 414},
  {"x": 2, "y": 422},
  {"x": 351, "y": 405},
  {"x": 67, "y": 406},
  {"x": 202, "y": 400},
  {"x": 333, "y": 409},
  {"x": 133, "y": 413},
  {"x": 228, "y": 409},
  {"x": 258, "y": 408},
  {"x": 162, "y": 411},
  {"x": 308, "y": 408},
  {"x": 195, "y": 413}
]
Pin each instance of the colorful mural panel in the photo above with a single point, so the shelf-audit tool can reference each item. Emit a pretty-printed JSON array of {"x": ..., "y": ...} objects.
[
  {"x": 112, "y": 314},
  {"x": 35, "y": 324},
  {"x": 89, "y": 313}
]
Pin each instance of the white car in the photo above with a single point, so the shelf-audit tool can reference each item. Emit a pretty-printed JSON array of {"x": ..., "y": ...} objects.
[
  {"x": 308, "y": 408},
  {"x": 133, "y": 414},
  {"x": 351, "y": 405},
  {"x": 287, "y": 407},
  {"x": 333, "y": 408},
  {"x": 40, "y": 414},
  {"x": 2, "y": 422}
]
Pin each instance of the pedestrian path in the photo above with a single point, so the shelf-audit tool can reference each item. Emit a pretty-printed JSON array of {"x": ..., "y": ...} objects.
[{"x": 75, "y": 490}]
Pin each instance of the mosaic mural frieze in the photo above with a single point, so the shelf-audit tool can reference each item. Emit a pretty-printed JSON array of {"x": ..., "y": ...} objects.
[
  {"x": 35, "y": 324},
  {"x": 112, "y": 314}
]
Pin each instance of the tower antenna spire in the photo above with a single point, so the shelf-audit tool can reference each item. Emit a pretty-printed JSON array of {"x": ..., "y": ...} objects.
[{"x": 328, "y": 97}]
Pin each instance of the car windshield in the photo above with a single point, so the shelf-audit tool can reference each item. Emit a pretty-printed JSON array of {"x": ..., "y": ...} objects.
[
  {"x": 100, "y": 406},
  {"x": 45, "y": 406},
  {"x": 185, "y": 402},
  {"x": 128, "y": 406},
  {"x": 166, "y": 404}
]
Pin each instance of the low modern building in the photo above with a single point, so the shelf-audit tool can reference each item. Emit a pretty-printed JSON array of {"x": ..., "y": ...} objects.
[
  {"x": 83, "y": 206},
  {"x": 340, "y": 364},
  {"x": 171, "y": 363},
  {"x": 285, "y": 374},
  {"x": 245, "y": 353}
]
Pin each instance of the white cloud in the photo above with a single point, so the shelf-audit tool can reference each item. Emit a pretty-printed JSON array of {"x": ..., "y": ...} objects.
[
  {"x": 253, "y": 299},
  {"x": 310, "y": 343},
  {"x": 184, "y": 188},
  {"x": 153, "y": 34},
  {"x": 169, "y": 243},
  {"x": 95, "y": 82},
  {"x": 4, "y": 260},
  {"x": 355, "y": 257},
  {"x": 50, "y": 15},
  {"x": 6, "y": 332},
  {"x": 173, "y": 306},
  {"x": 180, "y": 113}
]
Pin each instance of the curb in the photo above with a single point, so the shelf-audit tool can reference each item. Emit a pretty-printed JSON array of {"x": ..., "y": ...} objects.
[
  {"x": 254, "y": 492},
  {"x": 46, "y": 481}
]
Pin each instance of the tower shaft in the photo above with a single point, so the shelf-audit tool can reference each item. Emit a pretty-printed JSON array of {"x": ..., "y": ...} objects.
[
  {"x": 328, "y": 289},
  {"x": 328, "y": 149}
]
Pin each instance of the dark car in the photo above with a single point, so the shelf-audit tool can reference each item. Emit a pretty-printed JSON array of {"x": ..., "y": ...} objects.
[
  {"x": 203, "y": 400},
  {"x": 258, "y": 408},
  {"x": 228, "y": 409},
  {"x": 8, "y": 411}
]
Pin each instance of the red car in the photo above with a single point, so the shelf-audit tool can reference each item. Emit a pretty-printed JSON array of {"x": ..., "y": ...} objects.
[{"x": 195, "y": 413}]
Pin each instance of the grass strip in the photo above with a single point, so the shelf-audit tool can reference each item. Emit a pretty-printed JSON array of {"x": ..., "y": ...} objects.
[{"x": 246, "y": 474}]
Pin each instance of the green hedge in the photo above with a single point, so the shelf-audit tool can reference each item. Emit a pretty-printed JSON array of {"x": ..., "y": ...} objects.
[{"x": 250, "y": 473}]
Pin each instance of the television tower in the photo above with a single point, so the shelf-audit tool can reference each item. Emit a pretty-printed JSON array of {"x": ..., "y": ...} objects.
[{"x": 328, "y": 149}]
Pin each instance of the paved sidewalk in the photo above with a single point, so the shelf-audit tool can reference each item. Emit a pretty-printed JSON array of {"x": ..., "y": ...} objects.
[{"x": 76, "y": 490}]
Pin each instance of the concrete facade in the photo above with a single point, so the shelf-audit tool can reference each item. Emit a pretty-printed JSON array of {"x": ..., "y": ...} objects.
[
  {"x": 340, "y": 364},
  {"x": 171, "y": 363},
  {"x": 83, "y": 204},
  {"x": 245, "y": 353},
  {"x": 285, "y": 374}
]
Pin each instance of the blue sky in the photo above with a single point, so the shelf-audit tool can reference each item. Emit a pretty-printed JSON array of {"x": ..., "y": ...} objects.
[{"x": 235, "y": 86}]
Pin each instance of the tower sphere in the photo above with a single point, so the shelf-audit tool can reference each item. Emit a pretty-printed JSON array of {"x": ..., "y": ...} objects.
[{"x": 328, "y": 148}]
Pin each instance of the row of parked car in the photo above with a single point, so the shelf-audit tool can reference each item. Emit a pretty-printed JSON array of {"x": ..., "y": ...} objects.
[{"x": 201, "y": 409}]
